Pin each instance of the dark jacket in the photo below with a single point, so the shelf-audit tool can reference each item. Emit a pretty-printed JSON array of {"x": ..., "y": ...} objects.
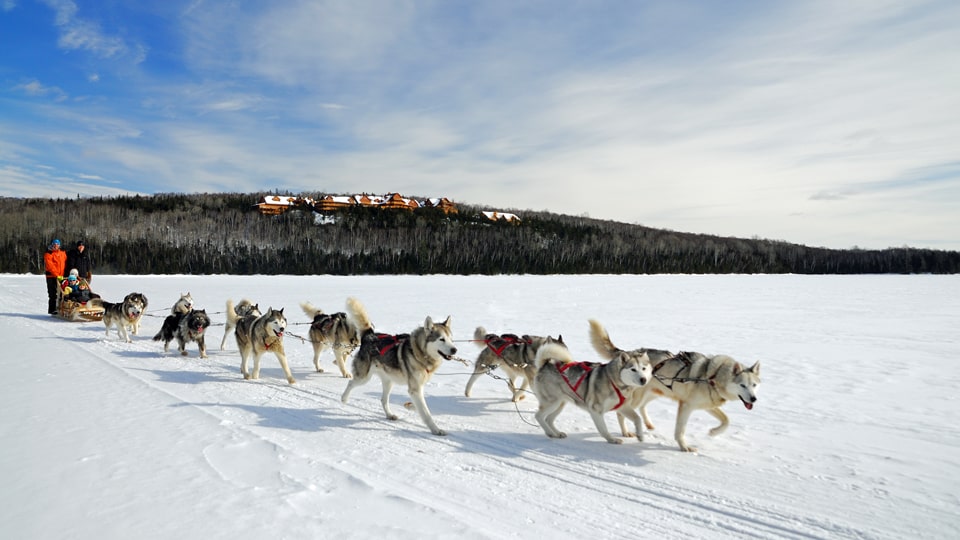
[{"x": 80, "y": 261}]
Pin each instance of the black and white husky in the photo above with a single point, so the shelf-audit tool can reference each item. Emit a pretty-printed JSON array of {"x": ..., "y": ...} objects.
[
  {"x": 125, "y": 314},
  {"x": 185, "y": 327},
  {"x": 406, "y": 359},
  {"x": 331, "y": 331},
  {"x": 258, "y": 334}
]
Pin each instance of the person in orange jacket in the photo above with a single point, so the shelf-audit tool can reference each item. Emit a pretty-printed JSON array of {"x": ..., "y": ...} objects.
[{"x": 55, "y": 264}]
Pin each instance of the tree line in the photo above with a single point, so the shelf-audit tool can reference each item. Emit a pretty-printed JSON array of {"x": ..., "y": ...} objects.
[{"x": 225, "y": 234}]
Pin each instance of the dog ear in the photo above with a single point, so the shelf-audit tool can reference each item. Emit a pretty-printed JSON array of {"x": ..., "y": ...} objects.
[
  {"x": 447, "y": 322},
  {"x": 737, "y": 369},
  {"x": 755, "y": 368},
  {"x": 428, "y": 323}
]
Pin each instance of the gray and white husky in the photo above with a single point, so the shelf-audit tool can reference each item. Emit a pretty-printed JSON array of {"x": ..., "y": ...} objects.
[
  {"x": 125, "y": 314},
  {"x": 183, "y": 305},
  {"x": 185, "y": 327},
  {"x": 510, "y": 352},
  {"x": 406, "y": 359},
  {"x": 696, "y": 381},
  {"x": 592, "y": 386},
  {"x": 259, "y": 334},
  {"x": 244, "y": 308},
  {"x": 331, "y": 331}
]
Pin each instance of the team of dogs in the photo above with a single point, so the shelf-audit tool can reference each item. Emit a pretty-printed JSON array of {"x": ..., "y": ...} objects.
[{"x": 624, "y": 384}]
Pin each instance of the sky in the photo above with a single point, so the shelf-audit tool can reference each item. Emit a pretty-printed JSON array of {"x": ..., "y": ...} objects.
[
  {"x": 823, "y": 123},
  {"x": 853, "y": 435}
]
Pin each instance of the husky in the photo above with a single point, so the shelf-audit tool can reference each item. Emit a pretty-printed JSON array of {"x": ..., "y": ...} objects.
[
  {"x": 185, "y": 327},
  {"x": 515, "y": 354},
  {"x": 696, "y": 381},
  {"x": 244, "y": 308},
  {"x": 331, "y": 331},
  {"x": 257, "y": 334},
  {"x": 125, "y": 314},
  {"x": 406, "y": 359},
  {"x": 183, "y": 305},
  {"x": 595, "y": 387}
]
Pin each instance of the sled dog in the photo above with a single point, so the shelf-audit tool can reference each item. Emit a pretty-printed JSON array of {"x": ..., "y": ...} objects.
[
  {"x": 183, "y": 305},
  {"x": 514, "y": 354},
  {"x": 185, "y": 327},
  {"x": 258, "y": 334},
  {"x": 125, "y": 314},
  {"x": 405, "y": 359},
  {"x": 696, "y": 381},
  {"x": 592, "y": 386},
  {"x": 245, "y": 307},
  {"x": 331, "y": 331}
]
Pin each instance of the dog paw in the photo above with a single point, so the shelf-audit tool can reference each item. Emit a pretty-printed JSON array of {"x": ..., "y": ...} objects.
[
  {"x": 615, "y": 441},
  {"x": 291, "y": 380},
  {"x": 440, "y": 433},
  {"x": 393, "y": 417}
]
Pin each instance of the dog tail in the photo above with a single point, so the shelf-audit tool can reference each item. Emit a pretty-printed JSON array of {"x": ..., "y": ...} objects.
[
  {"x": 232, "y": 317},
  {"x": 310, "y": 310},
  {"x": 600, "y": 340},
  {"x": 480, "y": 336},
  {"x": 357, "y": 314},
  {"x": 552, "y": 352}
]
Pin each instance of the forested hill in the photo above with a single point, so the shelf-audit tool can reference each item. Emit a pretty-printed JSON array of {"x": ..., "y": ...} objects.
[{"x": 225, "y": 234}]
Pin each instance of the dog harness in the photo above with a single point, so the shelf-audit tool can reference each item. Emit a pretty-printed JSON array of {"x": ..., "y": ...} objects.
[
  {"x": 497, "y": 343},
  {"x": 587, "y": 367},
  {"x": 385, "y": 342}
]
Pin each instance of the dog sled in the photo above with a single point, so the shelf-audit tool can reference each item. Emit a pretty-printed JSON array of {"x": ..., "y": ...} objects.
[{"x": 79, "y": 308}]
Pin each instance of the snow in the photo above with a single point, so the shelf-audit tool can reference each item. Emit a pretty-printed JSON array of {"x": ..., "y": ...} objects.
[{"x": 853, "y": 435}]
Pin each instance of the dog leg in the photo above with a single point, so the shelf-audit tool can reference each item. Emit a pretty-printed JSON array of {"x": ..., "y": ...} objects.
[
  {"x": 520, "y": 393},
  {"x": 226, "y": 332},
  {"x": 628, "y": 413},
  {"x": 683, "y": 414},
  {"x": 286, "y": 367},
  {"x": 181, "y": 346},
  {"x": 602, "y": 428},
  {"x": 244, "y": 353},
  {"x": 478, "y": 370},
  {"x": 340, "y": 355},
  {"x": 546, "y": 415},
  {"x": 724, "y": 421},
  {"x": 255, "y": 374},
  {"x": 203, "y": 347},
  {"x": 416, "y": 395},
  {"x": 122, "y": 332},
  {"x": 317, "y": 349},
  {"x": 385, "y": 398}
]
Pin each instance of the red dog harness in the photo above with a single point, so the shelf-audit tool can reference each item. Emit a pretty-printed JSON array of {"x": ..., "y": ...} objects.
[
  {"x": 587, "y": 367},
  {"x": 498, "y": 343}
]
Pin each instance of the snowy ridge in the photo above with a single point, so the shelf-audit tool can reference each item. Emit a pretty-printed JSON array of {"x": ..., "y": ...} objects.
[{"x": 184, "y": 444}]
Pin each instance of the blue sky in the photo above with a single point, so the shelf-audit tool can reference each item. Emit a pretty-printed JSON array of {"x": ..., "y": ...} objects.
[{"x": 823, "y": 123}]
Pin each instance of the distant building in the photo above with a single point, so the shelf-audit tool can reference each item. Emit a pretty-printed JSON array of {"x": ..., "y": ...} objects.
[
  {"x": 501, "y": 216},
  {"x": 278, "y": 204}
]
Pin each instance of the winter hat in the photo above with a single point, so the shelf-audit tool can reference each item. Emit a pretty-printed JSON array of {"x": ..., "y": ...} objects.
[
  {"x": 56, "y": 242},
  {"x": 79, "y": 243},
  {"x": 72, "y": 278},
  {"x": 74, "y": 273}
]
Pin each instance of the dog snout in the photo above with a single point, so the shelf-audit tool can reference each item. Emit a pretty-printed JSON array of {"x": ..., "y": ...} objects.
[
  {"x": 643, "y": 381},
  {"x": 453, "y": 350}
]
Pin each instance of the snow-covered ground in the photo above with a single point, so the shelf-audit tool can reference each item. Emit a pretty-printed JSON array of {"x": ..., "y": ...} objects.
[{"x": 854, "y": 434}]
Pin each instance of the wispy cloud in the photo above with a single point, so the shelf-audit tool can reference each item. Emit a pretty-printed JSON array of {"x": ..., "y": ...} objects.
[{"x": 77, "y": 33}]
